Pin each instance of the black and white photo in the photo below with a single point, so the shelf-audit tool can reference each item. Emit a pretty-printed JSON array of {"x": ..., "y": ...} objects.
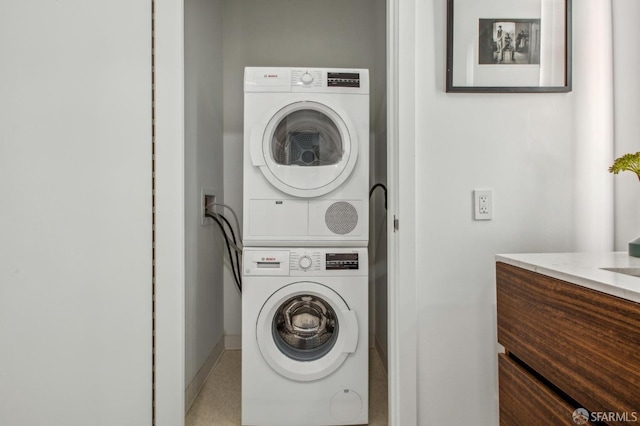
[{"x": 509, "y": 41}]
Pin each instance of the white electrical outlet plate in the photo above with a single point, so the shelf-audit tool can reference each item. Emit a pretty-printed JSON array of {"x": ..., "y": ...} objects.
[
  {"x": 482, "y": 204},
  {"x": 206, "y": 199}
]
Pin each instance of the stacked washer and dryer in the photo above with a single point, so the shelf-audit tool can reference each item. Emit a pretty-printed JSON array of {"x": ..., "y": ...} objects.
[{"x": 305, "y": 268}]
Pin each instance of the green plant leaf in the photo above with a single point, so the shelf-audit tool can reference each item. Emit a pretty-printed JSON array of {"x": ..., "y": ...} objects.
[{"x": 627, "y": 163}]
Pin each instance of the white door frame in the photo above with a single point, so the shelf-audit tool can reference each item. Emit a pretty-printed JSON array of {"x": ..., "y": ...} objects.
[
  {"x": 169, "y": 210},
  {"x": 169, "y": 214},
  {"x": 401, "y": 284}
]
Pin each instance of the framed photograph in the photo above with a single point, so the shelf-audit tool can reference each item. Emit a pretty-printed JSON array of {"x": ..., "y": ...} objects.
[{"x": 508, "y": 46}]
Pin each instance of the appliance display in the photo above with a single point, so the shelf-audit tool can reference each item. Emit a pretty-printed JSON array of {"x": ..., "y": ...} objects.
[
  {"x": 306, "y": 157},
  {"x": 305, "y": 336}
]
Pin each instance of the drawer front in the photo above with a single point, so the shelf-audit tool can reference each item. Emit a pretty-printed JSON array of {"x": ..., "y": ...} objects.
[
  {"x": 524, "y": 400},
  {"x": 584, "y": 342}
]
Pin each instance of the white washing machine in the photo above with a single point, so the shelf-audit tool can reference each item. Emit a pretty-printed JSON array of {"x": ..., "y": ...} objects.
[
  {"x": 305, "y": 337},
  {"x": 306, "y": 157}
]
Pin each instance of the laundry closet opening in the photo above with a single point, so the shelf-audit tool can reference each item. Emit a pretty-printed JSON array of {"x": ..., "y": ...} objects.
[{"x": 222, "y": 37}]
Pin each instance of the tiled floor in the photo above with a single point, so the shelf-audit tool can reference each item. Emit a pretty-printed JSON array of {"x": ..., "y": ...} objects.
[{"x": 218, "y": 403}]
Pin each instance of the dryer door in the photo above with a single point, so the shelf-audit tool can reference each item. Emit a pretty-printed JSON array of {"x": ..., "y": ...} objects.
[
  {"x": 305, "y": 331},
  {"x": 308, "y": 149}
]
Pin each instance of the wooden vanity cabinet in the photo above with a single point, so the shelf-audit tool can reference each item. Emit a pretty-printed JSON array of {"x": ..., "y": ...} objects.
[{"x": 566, "y": 346}]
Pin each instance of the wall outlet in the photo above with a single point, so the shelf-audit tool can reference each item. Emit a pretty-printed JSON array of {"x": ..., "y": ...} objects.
[
  {"x": 482, "y": 204},
  {"x": 207, "y": 199}
]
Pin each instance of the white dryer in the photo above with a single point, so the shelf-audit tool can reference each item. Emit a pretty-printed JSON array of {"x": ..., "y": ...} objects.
[
  {"x": 305, "y": 337},
  {"x": 306, "y": 157}
]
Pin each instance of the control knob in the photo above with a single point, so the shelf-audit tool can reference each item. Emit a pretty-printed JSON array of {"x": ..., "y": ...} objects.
[
  {"x": 306, "y": 78},
  {"x": 305, "y": 262}
]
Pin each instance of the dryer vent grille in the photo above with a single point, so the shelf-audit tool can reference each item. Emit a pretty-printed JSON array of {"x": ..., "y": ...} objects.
[{"x": 341, "y": 217}]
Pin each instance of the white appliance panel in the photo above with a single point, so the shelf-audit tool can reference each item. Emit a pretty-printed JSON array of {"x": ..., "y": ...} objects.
[{"x": 282, "y": 217}]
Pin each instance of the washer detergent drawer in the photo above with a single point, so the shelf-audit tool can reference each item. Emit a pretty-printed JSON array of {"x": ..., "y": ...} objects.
[
  {"x": 278, "y": 217},
  {"x": 266, "y": 263}
]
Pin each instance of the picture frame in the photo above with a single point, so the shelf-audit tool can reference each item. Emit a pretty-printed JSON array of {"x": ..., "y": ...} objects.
[{"x": 508, "y": 46}]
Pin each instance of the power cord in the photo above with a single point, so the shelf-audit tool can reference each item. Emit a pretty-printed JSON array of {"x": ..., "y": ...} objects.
[
  {"x": 238, "y": 251},
  {"x": 233, "y": 212},
  {"x": 375, "y": 240},
  {"x": 237, "y": 275},
  {"x": 379, "y": 185}
]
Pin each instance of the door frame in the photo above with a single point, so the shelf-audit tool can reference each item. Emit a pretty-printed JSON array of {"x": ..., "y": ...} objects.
[
  {"x": 401, "y": 223},
  {"x": 169, "y": 226},
  {"x": 169, "y": 365}
]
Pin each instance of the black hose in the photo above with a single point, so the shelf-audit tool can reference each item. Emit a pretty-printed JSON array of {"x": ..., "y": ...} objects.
[
  {"x": 233, "y": 236},
  {"x": 379, "y": 185},
  {"x": 226, "y": 239}
]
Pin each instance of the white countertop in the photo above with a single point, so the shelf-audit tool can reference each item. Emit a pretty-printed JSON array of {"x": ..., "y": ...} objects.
[{"x": 583, "y": 269}]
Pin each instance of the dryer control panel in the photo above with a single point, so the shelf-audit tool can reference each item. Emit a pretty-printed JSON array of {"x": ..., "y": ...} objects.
[
  {"x": 343, "y": 79},
  {"x": 305, "y": 262}
]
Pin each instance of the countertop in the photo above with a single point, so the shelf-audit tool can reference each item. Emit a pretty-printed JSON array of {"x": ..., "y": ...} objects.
[{"x": 583, "y": 269}]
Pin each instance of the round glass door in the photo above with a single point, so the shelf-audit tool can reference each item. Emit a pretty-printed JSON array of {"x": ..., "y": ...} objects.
[
  {"x": 306, "y": 138},
  {"x": 309, "y": 149},
  {"x": 305, "y": 327},
  {"x": 305, "y": 331}
]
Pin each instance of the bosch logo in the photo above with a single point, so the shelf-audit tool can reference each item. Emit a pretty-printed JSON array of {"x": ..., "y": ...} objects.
[
  {"x": 268, "y": 259},
  {"x": 271, "y": 76}
]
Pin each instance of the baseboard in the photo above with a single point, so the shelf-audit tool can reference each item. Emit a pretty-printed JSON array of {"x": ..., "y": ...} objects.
[
  {"x": 233, "y": 342},
  {"x": 193, "y": 389}
]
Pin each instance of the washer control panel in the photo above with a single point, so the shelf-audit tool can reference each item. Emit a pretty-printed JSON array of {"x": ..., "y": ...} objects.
[
  {"x": 327, "y": 262},
  {"x": 305, "y": 262}
]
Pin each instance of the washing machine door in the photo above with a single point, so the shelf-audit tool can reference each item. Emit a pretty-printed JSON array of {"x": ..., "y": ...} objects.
[
  {"x": 307, "y": 149},
  {"x": 305, "y": 331}
]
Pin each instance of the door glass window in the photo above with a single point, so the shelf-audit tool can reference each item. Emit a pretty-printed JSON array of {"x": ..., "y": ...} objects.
[
  {"x": 306, "y": 138},
  {"x": 305, "y": 328}
]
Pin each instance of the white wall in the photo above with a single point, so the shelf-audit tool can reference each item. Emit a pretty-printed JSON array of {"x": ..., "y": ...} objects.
[
  {"x": 75, "y": 221},
  {"x": 593, "y": 125},
  {"x": 528, "y": 155},
  {"x": 626, "y": 14},
  {"x": 333, "y": 33},
  {"x": 204, "y": 310}
]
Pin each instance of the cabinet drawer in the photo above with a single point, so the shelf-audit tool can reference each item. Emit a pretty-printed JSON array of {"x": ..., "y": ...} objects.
[
  {"x": 524, "y": 400},
  {"x": 584, "y": 342}
]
